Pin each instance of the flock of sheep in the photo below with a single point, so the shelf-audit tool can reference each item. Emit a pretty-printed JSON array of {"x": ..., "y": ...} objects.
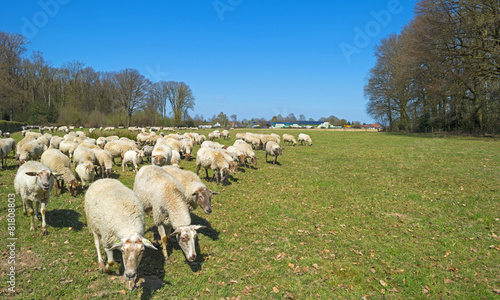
[{"x": 115, "y": 213}]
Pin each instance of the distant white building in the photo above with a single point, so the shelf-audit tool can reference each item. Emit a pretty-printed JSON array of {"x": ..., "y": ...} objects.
[{"x": 216, "y": 125}]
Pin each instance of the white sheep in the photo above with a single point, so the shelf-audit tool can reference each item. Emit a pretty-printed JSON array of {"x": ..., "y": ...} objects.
[
  {"x": 176, "y": 158},
  {"x": 115, "y": 216},
  {"x": 247, "y": 150},
  {"x": 83, "y": 155},
  {"x": 161, "y": 194},
  {"x": 213, "y": 159},
  {"x": 55, "y": 142},
  {"x": 195, "y": 191},
  {"x": 236, "y": 154},
  {"x": 288, "y": 138},
  {"x": 6, "y": 146},
  {"x": 133, "y": 157},
  {"x": 161, "y": 155},
  {"x": 85, "y": 173},
  {"x": 225, "y": 134},
  {"x": 273, "y": 149},
  {"x": 212, "y": 145},
  {"x": 105, "y": 161},
  {"x": 118, "y": 148},
  {"x": 148, "y": 150},
  {"x": 33, "y": 183},
  {"x": 186, "y": 148},
  {"x": 31, "y": 151},
  {"x": 68, "y": 147},
  {"x": 305, "y": 138},
  {"x": 101, "y": 141},
  {"x": 60, "y": 164}
]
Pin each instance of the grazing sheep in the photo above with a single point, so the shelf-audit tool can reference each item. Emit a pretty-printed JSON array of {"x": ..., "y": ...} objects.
[
  {"x": 6, "y": 146},
  {"x": 20, "y": 144},
  {"x": 118, "y": 148},
  {"x": 161, "y": 194},
  {"x": 213, "y": 159},
  {"x": 68, "y": 147},
  {"x": 133, "y": 157},
  {"x": 148, "y": 150},
  {"x": 105, "y": 161},
  {"x": 115, "y": 216},
  {"x": 304, "y": 138},
  {"x": 213, "y": 145},
  {"x": 273, "y": 149},
  {"x": 247, "y": 150},
  {"x": 33, "y": 183},
  {"x": 83, "y": 155},
  {"x": 240, "y": 135},
  {"x": 288, "y": 138},
  {"x": 173, "y": 144},
  {"x": 85, "y": 173},
  {"x": 59, "y": 163},
  {"x": 55, "y": 142},
  {"x": 195, "y": 191},
  {"x": 186, "y": 148},
  {"x": 31, "y": 151},
  {"x": 176, "y": 158},
  {"x": 101, "y": 141},
  {"x": 225, "y": 134},
  {"x": 161, "y": 155},
  {"x": 236, "y": 154},
  {"x": 254, "y": 140}
]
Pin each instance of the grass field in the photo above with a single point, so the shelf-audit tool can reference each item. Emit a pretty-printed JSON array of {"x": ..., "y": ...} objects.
[{"x": 358, "y": 214}]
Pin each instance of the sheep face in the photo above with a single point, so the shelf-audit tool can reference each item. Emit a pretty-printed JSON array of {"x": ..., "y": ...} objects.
[
  {"x": 254, "y": 160},
  {"x": 186, "y": 237},
  {"x": 204, "y": 199},
  {"x": 44, "y": 179},
  {"x": 72, "y": 186},
  {"x": 241, "y": 159},
  {"x": 233, "y": 167},
  {"x": 132, "y": 248}
]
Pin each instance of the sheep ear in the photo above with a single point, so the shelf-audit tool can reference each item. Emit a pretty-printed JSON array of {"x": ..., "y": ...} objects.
[
  {"x": 198, "y": 227},
  {"x": 30, "y": 173},
  {"x": 116, "y": 245},
  {"x": 215, "y": 193},
  {"x": 56, "y": 174},
  {"x": 148, "y": 244},
  {"x": 176, "y": 232}
]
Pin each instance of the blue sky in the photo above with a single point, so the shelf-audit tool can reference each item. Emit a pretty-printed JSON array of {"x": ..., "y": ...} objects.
[{"x": 250, "y": 58}]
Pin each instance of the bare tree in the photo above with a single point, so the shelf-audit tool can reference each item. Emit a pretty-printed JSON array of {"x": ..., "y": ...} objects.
[{"x": 131, "y": 90}]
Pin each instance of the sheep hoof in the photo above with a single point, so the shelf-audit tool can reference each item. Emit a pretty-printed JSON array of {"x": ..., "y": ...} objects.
[{"x": 44, "y": 231}]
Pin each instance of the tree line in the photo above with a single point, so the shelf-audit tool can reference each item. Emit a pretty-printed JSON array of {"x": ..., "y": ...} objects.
[
  {"x": 33, "y": 91},
  {"x": 441, "y": 71}
]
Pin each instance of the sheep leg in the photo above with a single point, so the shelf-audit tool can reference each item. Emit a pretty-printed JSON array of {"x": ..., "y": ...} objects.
[
  {"x": 123, "y": 166},
  {"x": 99, "y": 256},
  {"x": 25, "y": 212},
  {"x": 43, "y": 210},
  {"x": 111, "y": 261},
  {"x": 216, "y": 174},
  {"x": 55, "y": 187},
  {"x": 32, "y": 212},
  {"x": 266, "y": 156},
  {"x": 164, "y": 238}
]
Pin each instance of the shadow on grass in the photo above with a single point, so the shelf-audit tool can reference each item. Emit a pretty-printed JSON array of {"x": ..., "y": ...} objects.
[
  {"x": 209, "y": 231},
  {"x": 61, "y": 218},
  {"x": 151, "y": 273},
  {"x": 271, "y": 162}
]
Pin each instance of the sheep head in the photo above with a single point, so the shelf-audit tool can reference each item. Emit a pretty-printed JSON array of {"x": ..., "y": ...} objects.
[
  {"x": 72, "y": 186},
  {"x": 233, "y": 167},
  {"x": 44, "y": 179},
  {"x": 132, "y": 248},
  {"x": 204, "y": 199},
  {"x": 186, "y": 237}
]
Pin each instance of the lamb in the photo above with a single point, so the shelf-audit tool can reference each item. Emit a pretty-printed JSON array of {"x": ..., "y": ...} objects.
[
  {"x": 247, "y": 150},
  {"x": 33, "y": 183},
  {"x": 215, "y": 160},
  {"x": 31, "y": 151},
  {"x": 195, "y": 191},
  {"x": 304, "y": 138},
  {"x": 133, "y": 157},
  {"x": 148, "y": 150},
  {"x": 105, "y": 161},
  {"x": 59, "y": 163},
  {"x": 161, "y": 194},
  {"x": 83, "y": 155},
  {"x": 273, "y": 149},
  {"x": 116, "y": 218},
  {"x": 288, "y": 138},
  {"x": 85, "y": 173}
]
